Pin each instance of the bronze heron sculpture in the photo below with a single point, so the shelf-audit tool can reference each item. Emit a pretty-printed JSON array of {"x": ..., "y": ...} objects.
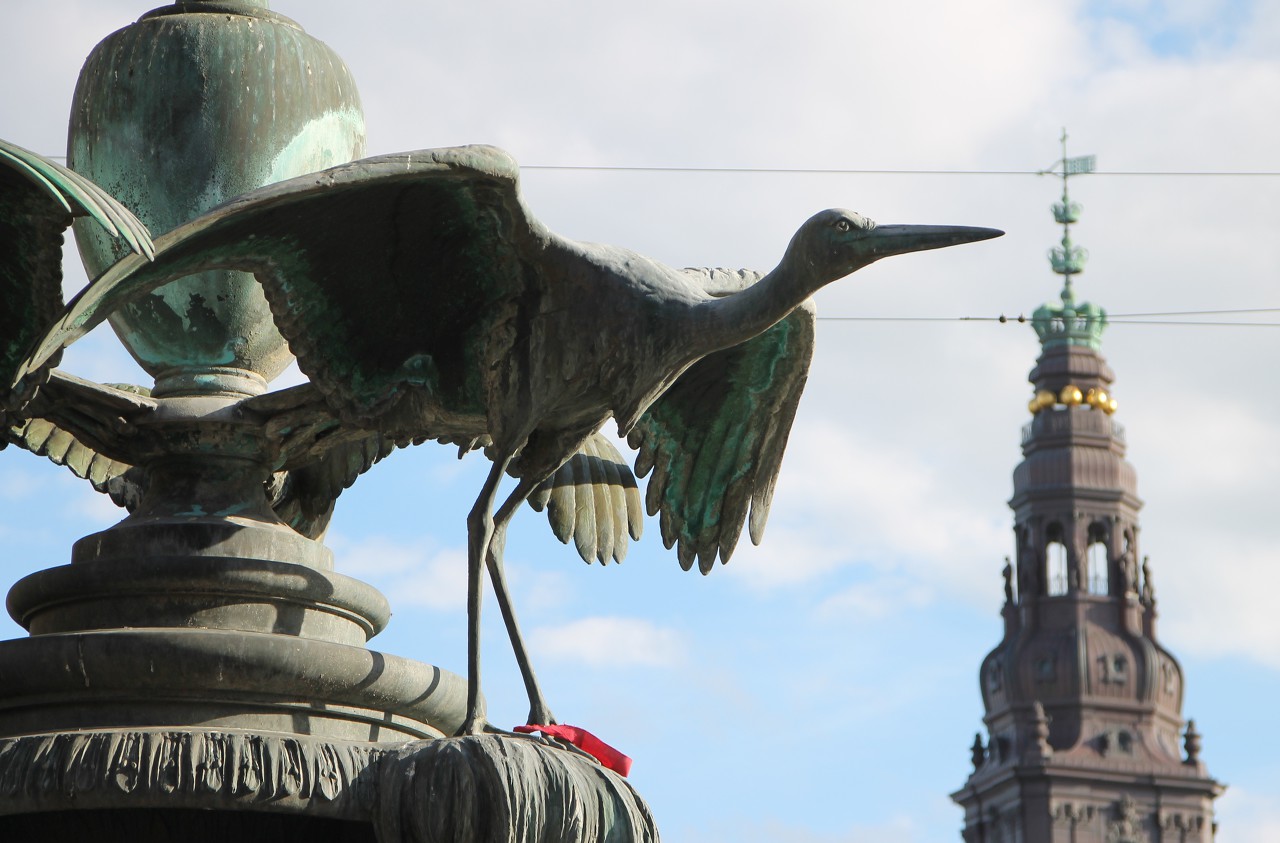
[{"x": 424, "y": 301}]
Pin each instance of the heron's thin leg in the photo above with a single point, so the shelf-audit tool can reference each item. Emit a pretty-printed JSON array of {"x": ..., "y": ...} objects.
[
  {"x": 479, "y": 534},
  {"x": 539, "y": 712}
]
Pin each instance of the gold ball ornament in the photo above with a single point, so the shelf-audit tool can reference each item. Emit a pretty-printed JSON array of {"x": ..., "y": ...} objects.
[
  {"x": 1112, "y": 406},
  {"x": 1070, "y": 395},
  {"x": 1045, "y": 399}
]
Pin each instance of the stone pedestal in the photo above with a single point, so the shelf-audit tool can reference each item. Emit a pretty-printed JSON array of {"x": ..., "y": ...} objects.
[
  {"x": 182, "y": 681},
  {"x": 199, "y": 671}
]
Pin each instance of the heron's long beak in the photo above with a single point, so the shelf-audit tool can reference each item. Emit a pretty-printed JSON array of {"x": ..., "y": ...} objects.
[{"x": 885, "y": 240}]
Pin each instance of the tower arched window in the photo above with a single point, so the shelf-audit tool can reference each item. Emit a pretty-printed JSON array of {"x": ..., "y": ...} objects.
[
  {"x": 1098, "y": 580},
  {"x": 1055, "y": 559}
]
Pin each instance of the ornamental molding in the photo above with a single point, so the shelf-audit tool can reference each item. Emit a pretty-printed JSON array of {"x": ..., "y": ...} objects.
[
  {"x": 196, "y": 769},
  {"x": 1127, "y": 826}
]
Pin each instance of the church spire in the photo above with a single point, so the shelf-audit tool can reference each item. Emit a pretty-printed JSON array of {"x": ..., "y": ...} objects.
[{"x": 1083, "y": 705}]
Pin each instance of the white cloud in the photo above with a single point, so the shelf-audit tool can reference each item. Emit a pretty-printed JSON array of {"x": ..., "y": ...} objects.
[
  {"x": 900, "y": 829},
  {"x": 95, "y": 507},
  {"x": 542, "y": 591},
  {"x": 411, "y": 573},
  {"x": 610, "y": 641},
  {"x": 20, "y": 484},
  {"x": 878, "y": 598},
  {"x": 440, "y": 583},
  {"x": 1214, "y": 448},
  {"x": 844, "y": 500},
  {"x": 375, "y": 555},
  {"x": 787, "y": 556},
  {"x": 1219, "y": 598},
  {"x": 1248, "y": 816},
  {"x": 75, "y": 500}
]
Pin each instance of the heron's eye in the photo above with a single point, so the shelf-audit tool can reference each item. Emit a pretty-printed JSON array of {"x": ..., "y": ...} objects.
[{"x": 842, "y": 225}]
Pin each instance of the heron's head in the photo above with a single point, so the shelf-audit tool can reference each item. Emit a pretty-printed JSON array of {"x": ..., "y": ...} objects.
[{"x": 836, "y": 242}]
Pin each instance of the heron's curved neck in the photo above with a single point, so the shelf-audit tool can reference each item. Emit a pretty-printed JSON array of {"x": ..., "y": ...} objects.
[{"x": 746, "y": 314}]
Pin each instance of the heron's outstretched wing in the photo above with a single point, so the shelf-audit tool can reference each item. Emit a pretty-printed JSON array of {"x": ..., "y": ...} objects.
[
  {"x": 714, "y": 440},
  {"x": 383, "y": 274},
  {"x": 81, "y": 425},
  {"x": 316, "y": 457},
  {"x": 594, "y": 500},
  {"x": 45, "y": 438},
  {"x": 78, "y": 424},
  {"x": 38, "y": 199},
  {"x": 304, "y": 497}
]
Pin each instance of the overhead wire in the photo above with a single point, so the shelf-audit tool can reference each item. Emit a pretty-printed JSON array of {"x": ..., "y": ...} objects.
[
  {"x": 838, "y": 171},
  {"x": 843, "y": 171},
  {"x": 1117, "y": 319}
]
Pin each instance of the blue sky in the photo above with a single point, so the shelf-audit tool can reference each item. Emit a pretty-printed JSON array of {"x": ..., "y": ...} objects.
[
  {"x": 1185, "y": 29},
  {"x": 822, "y": 688}
]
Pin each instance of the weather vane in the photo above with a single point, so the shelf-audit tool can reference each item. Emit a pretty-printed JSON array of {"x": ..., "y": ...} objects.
[
  {"x": 1069, "y": 259},
  {"x": 205, "y": 651},
  {"x": 1067, "y": 321}
]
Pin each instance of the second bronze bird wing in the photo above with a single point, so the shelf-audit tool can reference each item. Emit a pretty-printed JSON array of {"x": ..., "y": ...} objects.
[
  {"x": 389, "y": 277},
  {"x": 594, "y": 500},
  {"x": 38, "y": 200},
  {"x": 714, "y": 440},
  {"x": 384, "y": 275}
]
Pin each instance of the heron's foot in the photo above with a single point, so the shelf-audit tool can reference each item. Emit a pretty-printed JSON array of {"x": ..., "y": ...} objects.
[
  {"x": 571, "y": 747},
  {"x": 474, "y": 724},
  {"x": 554, "y": 741},
  {"x": 546, "y": 740},
  {"x": 540, "y": 713}
]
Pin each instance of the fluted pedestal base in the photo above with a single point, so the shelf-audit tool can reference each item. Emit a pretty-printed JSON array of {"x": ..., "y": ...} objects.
[
  {"x": 184, "y": 682},
  {"x": 197, "y": 785}
]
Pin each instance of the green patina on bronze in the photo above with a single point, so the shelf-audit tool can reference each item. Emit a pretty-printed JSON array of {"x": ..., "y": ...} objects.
[
  {"x": 1065, "y": 322},
  {"x": 729, "y": 437},
  {"x": 38, "y": 200},
  {"x": 1068, "y": 323},
  {"x": 181, "y": 111}
]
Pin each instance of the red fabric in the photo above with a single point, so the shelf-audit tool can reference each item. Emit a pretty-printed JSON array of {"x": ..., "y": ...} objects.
[{"x": 587, "y": 742}]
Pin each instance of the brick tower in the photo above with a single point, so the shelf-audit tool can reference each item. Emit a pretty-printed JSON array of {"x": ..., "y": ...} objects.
[{"x": 1085, "y": 738}]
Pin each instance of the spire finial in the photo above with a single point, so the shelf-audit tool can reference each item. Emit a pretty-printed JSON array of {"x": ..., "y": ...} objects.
[
  {"x": 1040, "y": 746},
  {"x": 1069, "y": 259},
  {"x": 1067, "y": 323},
  {"x": 1191, "y": 743}
]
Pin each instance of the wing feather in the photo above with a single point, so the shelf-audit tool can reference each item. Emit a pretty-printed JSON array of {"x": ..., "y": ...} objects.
[
  {"x": 593, "y": 500},
  {"x": 615, "y": 490},
  {"x": 714, "y": 441},
  {"x": 34, "y": 433},
  {"x": 584, "y": 509},
  {"x": 57, "y": 445},
  {"x": 46, "y": 439},
  {"x": 602, "y": 497},
  {"x": 38, "y": 199},
  {"x": 306, "y": 494},
  {"x": 101, "y": 469},
  {"x": 561, "y": 508},
  {"x": 540, "y": 498}
]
